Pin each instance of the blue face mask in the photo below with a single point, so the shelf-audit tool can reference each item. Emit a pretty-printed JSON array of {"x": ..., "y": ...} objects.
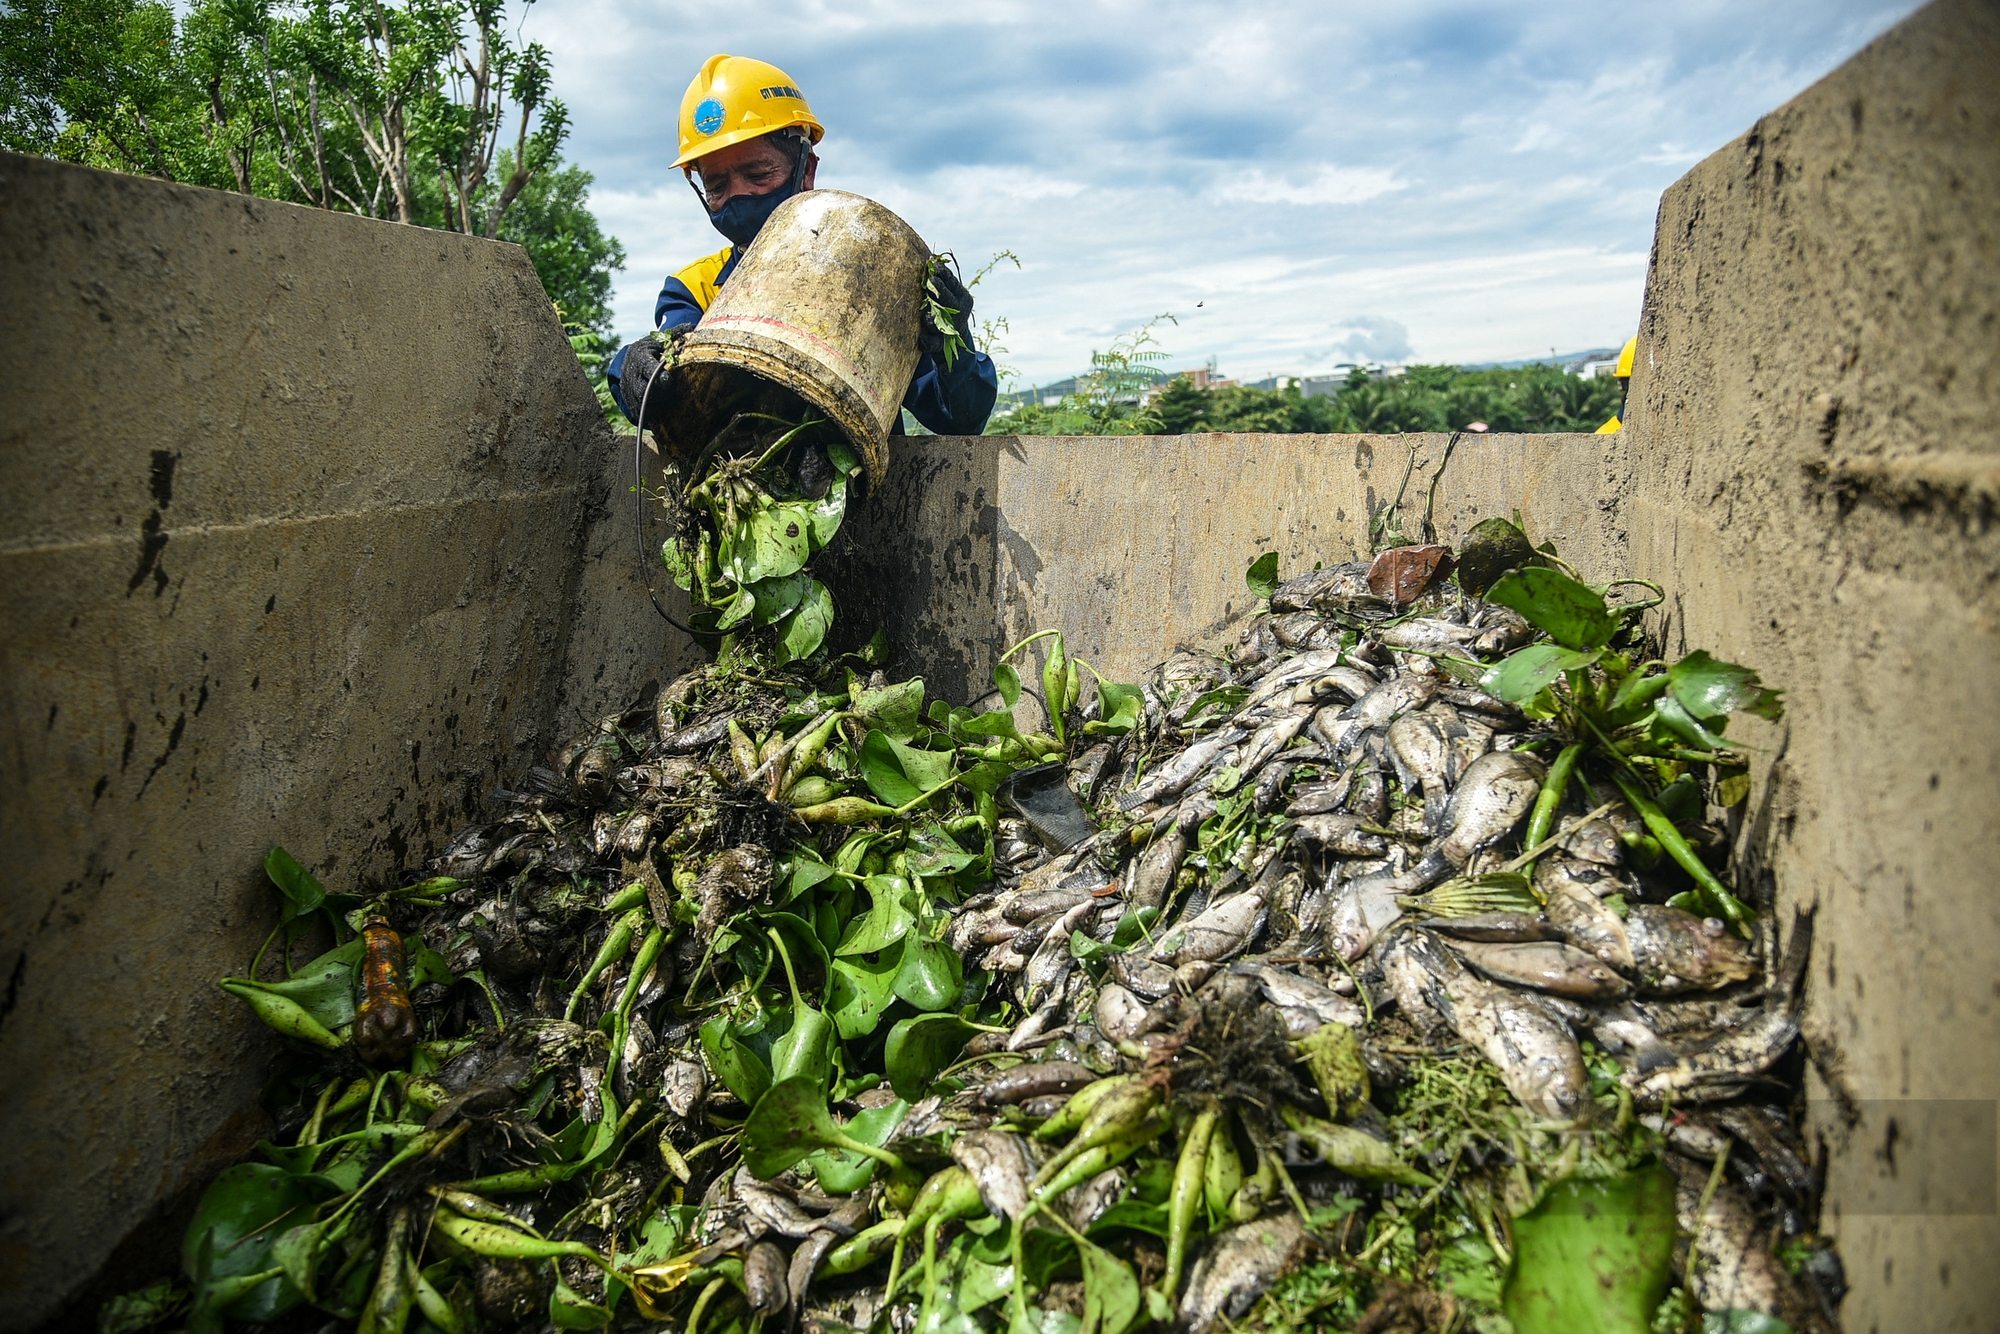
[{"x": 744, "y": 216}]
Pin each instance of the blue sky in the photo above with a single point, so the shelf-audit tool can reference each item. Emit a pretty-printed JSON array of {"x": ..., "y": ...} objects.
[{"x": 1299, "y": 184}]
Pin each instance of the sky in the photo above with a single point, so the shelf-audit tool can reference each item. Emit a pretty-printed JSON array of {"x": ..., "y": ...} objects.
[{"x": 1297, "y": 184}]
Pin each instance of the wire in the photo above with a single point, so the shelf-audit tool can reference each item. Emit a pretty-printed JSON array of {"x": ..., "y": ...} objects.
[{"x": 639, "y": 501}]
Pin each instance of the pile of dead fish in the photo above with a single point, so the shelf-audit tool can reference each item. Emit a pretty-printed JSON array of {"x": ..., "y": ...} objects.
[{"x": 1237, "y": 995}]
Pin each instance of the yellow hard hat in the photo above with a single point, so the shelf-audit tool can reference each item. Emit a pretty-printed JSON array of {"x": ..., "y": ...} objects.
[
  {"x": 1625, "y": 358},
  {"x": 735, "y": 98}
]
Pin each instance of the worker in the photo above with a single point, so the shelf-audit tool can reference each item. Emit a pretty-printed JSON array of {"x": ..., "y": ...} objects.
[
  {"x": 1624, "y": 374},
  {"x": 746, "y": 145}
]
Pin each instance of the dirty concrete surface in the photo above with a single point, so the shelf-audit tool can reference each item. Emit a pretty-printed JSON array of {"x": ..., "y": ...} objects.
[{"x": 276, "y": 570}]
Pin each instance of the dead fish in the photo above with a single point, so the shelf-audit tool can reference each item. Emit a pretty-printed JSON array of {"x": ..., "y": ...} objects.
[
  {"x": 634, "y": 833},
  {"x": 1722, "y": 1066},
  {"x": 1342, "y": 834},
  {"x": 1414, "y": 968},
  {"x": 673, "y": 698},
  {"x": 1494, "y": 927},
  {"x": 1736, "y": 1268},
  {"x": 1237, "y": 1268},
  {"x": 1332, "y": 728},
  {"x": 1495, "y": 792},
  {"x": 1223, "y": 929},
  {"x": 684, "y": 1085},
  {"x": 1594, "y": 841},
  {"x": 1349, "y": 679},
  {"x": 1368, "y": 793},
  {"x": 842, "y": 1223},
  {"x": 1390, "y": 700},
  {"x": 987, "y": 926},
  {"x": 1364, "y": 905},
  {"x": 999, "y": 1163},
  {"x": 1292, "y": 992},
  {"x": 1334, "y": 588},
  {"x": 1143, "y": 977},
  {"x": 697, "y": 736},
  {"x": 1675, "y": 951},
  {"x": 1173, "y": 777},
  {"x": 1027, "y": 907},
  {"x": 1118, "y": 1013},
  {"x": 1759, "y": 1127},
  {"x": 1426, "y": 633},
  {"x": 1537, "y": 1054},
  {"x": 1271, "y": 738},
  {"x": 1321, "y": 797},
  {"x": 1094, "y": 1196},
  {"x": 764, "y": 1279},
  {"x": 1420, "y": 744},
  {"x": 1295, "y": 630},
  {"x": 1557, "y": 870},
  {"x": 772, "y": 1207},
  {"x": 1587, "y": 923},
  {"x": 1624, "y": 1030},
  {"x": 1545, "y": 965},
  {"x": 1472, "y": 697}
]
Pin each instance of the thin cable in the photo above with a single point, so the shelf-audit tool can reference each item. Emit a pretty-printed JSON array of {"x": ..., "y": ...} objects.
[{"x": 639, "y": 500}]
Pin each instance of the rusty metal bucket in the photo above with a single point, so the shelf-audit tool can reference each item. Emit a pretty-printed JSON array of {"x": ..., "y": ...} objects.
[{"x": 824, "y": 306}]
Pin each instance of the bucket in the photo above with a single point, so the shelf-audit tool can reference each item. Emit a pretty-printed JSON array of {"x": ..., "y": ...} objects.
[{"x": 824, "y": 304}]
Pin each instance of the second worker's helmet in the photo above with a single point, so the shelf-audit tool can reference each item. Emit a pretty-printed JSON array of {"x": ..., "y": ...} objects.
[{"x": 735, "y": 98}]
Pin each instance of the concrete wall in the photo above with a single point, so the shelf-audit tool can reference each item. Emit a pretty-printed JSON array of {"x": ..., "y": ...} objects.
[{"x": 300, "y": 517}]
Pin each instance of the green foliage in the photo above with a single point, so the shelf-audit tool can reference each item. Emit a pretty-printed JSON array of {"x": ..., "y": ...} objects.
[
  {"x": 393, "y": 110},
  {"x": 1423, "y": 398}
]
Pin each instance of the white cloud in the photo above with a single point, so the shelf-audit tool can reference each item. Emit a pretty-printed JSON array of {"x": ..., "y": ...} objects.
[{"x": 1270, "y": 171}]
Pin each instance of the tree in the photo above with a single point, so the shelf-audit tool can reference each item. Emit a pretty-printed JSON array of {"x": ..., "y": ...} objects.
[{"x": 1180, "y": 408}]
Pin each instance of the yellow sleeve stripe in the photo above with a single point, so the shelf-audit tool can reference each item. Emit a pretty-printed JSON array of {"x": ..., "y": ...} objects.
[{"x": 699, "y": 277}]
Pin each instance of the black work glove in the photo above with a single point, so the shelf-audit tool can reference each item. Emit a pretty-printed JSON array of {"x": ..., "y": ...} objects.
[
  {"x": 954, "y": 296},
  {"x": 642, "y": 362}
]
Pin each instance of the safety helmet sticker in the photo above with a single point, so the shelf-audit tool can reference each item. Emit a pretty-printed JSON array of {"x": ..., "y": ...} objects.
[{"x": 708, "y": 116}]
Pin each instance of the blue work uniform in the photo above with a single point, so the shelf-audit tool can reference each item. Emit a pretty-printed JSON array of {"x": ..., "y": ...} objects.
[{"x": 955, "y": 401}]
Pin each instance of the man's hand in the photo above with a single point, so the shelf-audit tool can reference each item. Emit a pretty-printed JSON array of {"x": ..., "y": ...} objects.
[
  {"x": 642, "y": 366},
  {"x": 944, "y": 289}
]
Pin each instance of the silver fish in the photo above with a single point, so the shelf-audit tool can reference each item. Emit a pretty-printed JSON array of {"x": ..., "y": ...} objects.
[
  {"x": 1319, "y": 798},
  {"x": 1000, "y": 1165},
  {"x": 772, "y": 1207},
  {"x": 1420, "y": 744},
  {"x": 1174, "y": 777},
  {"x": 1676, "y": 951},
  {"x": 1225, "y": 928},
  {"x": 1495, "y": 927},
  {"x": 764, "y": 1279},
  {"x": 1342, "y": 834},
  {"x": 1594, "y": 841},
  {"x": 1094, "y": 1196},
  {"x": 1414, "y": 966},
  {"x": 1026, "y": 907},
  {"x": 1119, "y": 1014},
  {"x": 1537, "y": 1055},
  {"x": 1427, "y": 633},
  {"x": 1624, "y": 1030},
  {"x": 1349, "y": 679},
  {"x": 1496, "y": 790},
  {"x": 1292, "y": 992},
  {"x": 1390, "y": 700},
  {"x": 1365, "y": 905},
  {"x": 1722, "y": 1066},
  {"x": 1736, "y": 1268},
  {"x": 1557, "y": 870},
  {"x": 1141, "y": 976},
  {"x": 1154, "y": 871},
  {"x": 1237, "y": 1268},
  {"x": 1368, "y": 792},
  {"x": 683, "y": 1085},
  {"x": 1052, "y": 961},
  {"x": 1588, "y": 924},
  {"x": 1271, "y": 738},
  {"x": 1281, "y": 678},
  {"x": 1545, "y": 965}
]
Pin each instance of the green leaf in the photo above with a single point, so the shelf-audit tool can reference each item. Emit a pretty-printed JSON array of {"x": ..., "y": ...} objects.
[
  {"x": 1119, "y": 707},
  {"x": 807, "y": 630},
  {"x": 1573, "y": 614},
  {"x": 738, "y": 609},
  {"x": 1709, "y": 688},
  {"x": 931, "y": 976},
  {"x": 933, "y": 852},
  {"x": 780, "y": 597},
  {"x": 324, "y": 988},
  {"x": 889, "y": 918},
  {"x": 1740, "y": 1321},
  {"x": 1262, "y": 576},
  {"x": 826, "y": 513},
  {"x": 862, "y": 989},
  {"x": 1111, "y": 1296},
  {"x": 1008, "y": 681},
  {"x": 236, "y": 1224},
  {"x": 920, "y": 1048},
  {"x": 1526, "y": 673},
  {"x": 1678, "y": 721},
  {"x": 788, "y": 1122},
  {"x": 740, "y": 1067},
  {"x": 1055, "y": 684},
  {"x": 897, "y": 709},
  {"x": 1594, "y": 1254},
  {"x": 1492, "y": 548},
  {"x": 1133, "y": 1215},
  {"x": 843, "y": 1171},
  {"x": 768, "y": 542},
  {"x": 807, "y": 871},
  {"x": 900, "y": 773},
  {"x": 302, "y": 892},
  {"x": 570, "y": 1309}
]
